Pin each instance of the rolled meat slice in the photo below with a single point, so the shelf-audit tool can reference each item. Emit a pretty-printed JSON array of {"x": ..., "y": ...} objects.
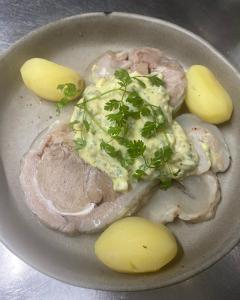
[
  {"x": 68, "y": 194},
  {"x": 194, "y": 199},
  {"x": 145, "y": 61},
  {"x": 209, "y": 143}
]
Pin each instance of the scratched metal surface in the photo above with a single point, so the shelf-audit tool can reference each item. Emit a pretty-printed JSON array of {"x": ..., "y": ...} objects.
[{"x": 216, "y": 21}]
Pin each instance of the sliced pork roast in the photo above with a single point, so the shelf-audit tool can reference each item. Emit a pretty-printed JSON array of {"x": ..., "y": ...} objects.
[
  {"x": 69, "y": 195},
  {"x": 208, "y": 142},
  {"x": 194, "y": 199},
  {"x": 144, "y": 61}
]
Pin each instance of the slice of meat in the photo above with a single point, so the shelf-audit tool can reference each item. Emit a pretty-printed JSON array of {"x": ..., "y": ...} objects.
[
  {"x": 172, "y": 71},
  {"x": 145, "y": 61},
  {"x": 194, "y": 199},
  {"x": 209, "y": 143},
  {"x": 150, "y": 57},
  {"x": 195, "y": 135},
  {"x": 106, "y": 64},
  {"x": 174, "y": 76},
  {"x": 66, "y": 193}
]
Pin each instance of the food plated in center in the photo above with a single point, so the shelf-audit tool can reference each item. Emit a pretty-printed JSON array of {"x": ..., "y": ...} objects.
[{"x": 126, "y": 150}]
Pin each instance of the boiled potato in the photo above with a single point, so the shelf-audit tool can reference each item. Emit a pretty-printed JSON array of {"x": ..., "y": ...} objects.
[
  {"x": 206, "y": 97},
  {"x": 136, "y": 245},
  {"x": 43, "y": 76}
]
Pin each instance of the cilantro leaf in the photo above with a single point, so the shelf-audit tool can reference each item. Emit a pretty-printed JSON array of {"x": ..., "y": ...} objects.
[
  {"x": 123, "y": 76},
  {"x": 155, "y": 80},
  {"x": 119, "y": 118},
  {"x": 134, "y": 99},
  {"x": 114, "y": 131},
  {"x": 124, "y": 109},
  {"x": 69, "y": 89},
  {"x": 161, "y": 156},
  {"x": 136, "y": 148},
  {"x": 110, "y": 150},
  {"x": 80, "y": 143},
  {"x": 145, "y": 111},
  {"x": 134, "y": 114},
  {"x": 140, "y": 82},
  {"x": 122, "y": 141},
  {"x": 149, "y": 129},
  {"x": 112, "y": 104}
]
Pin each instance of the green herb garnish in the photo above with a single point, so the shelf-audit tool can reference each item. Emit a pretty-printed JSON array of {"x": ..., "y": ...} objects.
[
  {"x": 112, "y": 104},
  {"x": 69, "y": 91},
  {"x": 80, "y": 143},
  {"x": 121, "y": 115},
  {"x": 135, "y": 148}
]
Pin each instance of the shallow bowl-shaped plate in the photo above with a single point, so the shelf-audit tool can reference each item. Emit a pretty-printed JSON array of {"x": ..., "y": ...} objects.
[{"x": 74, "y": 42}]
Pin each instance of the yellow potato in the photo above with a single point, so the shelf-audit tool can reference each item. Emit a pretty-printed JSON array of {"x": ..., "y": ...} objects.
[
  {"x": 206, "y": 97},
  {"x": 136, "y": 245},
  {"x": 43, "y": 76}
]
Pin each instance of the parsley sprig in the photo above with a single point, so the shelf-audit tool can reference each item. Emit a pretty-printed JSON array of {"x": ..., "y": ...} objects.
[
  {"x": 121, "y": 115},
  {"x": 69, "y": 91},
  {"x": 122, "y": 112}
]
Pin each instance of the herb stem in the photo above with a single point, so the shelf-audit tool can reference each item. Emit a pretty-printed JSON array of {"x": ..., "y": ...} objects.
[
  {"x": 103, "y": 94},
  {"x": 128, "y": 106}
]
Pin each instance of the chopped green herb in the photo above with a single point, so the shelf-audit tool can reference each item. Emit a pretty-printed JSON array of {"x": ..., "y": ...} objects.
[
  {"x": 119, "y": 118},
  {"x": 149, "y": 129},
  {"x": 136, "y": 148},
  {"x": 69, "y": 91},
  {"x": 134, "y": 99},
  {"x": 145, "y": 111},
  {"x": 122, "y": 141},
  {"x": 140, "y": 82},
  {"x": 110, "y": 150},
  {"x": 80, "y": 143},
  {"x": 112, "y": 104},
  {"x": 139, "y": 174},
  {"x": 161, "y": 156},
  {"x": 114, "y": 131},
  {"x": 155, "y": 80},
  {"x": 123, "y": 76},
  {"x": 122, "y": 112}
]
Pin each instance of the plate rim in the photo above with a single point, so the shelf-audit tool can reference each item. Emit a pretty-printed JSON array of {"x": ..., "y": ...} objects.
[{"x": 54, "y": 24}]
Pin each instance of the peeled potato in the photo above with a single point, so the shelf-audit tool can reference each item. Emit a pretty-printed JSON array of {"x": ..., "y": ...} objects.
[
  {"x": 43, "y": 76},
  {"x": 206, "y": 97},
  {"x": 135, "y": 245}
]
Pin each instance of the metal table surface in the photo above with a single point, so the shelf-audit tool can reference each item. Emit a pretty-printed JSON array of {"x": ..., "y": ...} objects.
[{"x": 216, "y": 21}]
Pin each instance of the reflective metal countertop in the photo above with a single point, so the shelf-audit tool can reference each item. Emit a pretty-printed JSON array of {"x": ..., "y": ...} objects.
[{"x": 216, "y": 21}]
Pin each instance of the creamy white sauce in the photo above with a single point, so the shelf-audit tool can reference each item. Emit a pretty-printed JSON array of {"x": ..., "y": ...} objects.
[{"x": 184, "y": 158}]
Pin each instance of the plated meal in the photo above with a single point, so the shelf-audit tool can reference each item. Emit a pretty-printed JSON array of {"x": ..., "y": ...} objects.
[{"x": 129, "y": 158}]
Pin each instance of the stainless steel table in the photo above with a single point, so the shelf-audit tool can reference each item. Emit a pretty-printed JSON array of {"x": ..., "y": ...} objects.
[{"x": 216, "y": 21}]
